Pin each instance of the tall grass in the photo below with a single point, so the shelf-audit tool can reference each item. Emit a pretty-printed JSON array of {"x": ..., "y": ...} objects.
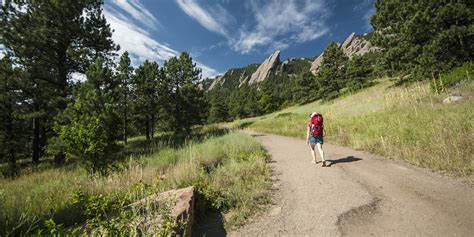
[
  {"x": 230, "y": 172},
  {"x": 406, "y": 123}
]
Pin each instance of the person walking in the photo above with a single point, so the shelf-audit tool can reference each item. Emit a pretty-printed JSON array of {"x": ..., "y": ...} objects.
[{"x": 314, "y": 136}]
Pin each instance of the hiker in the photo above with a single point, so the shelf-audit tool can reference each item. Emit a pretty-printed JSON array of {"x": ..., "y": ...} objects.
[{"x": 314, "y": 136}]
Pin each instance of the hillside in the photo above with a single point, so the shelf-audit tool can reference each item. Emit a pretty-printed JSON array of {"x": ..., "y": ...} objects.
[
  {"x": 272, "y": 67},
  {"x": 404, "y": 123}
]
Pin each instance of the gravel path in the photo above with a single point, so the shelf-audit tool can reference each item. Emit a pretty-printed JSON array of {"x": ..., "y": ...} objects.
[{"x": 358, "y": 195}]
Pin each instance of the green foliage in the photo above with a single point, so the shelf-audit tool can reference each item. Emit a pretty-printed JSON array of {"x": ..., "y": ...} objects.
[
  {"x": 449, "y": 79},
  {"x": 90, "y": 126},
  {"x": 218, "y": 109},
  {"x": 13, "y": 124},
  {"x": 331, "y": 75},
  {"x": 147, "y": 82},
  {"x": 305, "y": 88},
  {"x": 237, "y": 170},
  {"x": 187, "y": 105},
  {"x": 359, "y": 72},
  {"x": 124, "y": 90},
  {"x": 423, "y": 38},
  {"x": 49, "y": 40}
]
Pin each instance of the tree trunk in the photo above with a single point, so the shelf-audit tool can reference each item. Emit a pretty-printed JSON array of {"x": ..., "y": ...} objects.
[
  {"x": 11, "y": 139},
  {"x": 152, "y": 126},
  {"x": 36, "y": 141},
  {"x": 125, "y": 127},
  {"x": 63, "y": 72},
  {"x": 147, "y": 132}
]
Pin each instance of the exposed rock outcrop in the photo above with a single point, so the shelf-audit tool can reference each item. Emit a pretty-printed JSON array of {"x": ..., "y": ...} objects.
[
  {"x": 182, "y": 209},
  {"x": 353, "y": 45},
  {"x": 219, "y": 81},
  {"x": 268, "y": 66},
  {"x": 452, "y": 98},
  {"x": 316, "y": 63}
]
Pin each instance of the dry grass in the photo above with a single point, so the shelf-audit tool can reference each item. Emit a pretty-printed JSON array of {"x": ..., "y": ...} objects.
[
  {"x": 233, "y": 165},
  {"x": 406, "y": 123}
]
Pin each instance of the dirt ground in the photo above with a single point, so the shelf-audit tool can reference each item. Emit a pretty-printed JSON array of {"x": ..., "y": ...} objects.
[{"x": 359, "y": 194}]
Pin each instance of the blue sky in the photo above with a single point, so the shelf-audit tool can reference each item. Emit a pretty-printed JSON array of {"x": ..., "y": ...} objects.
[{"x": 224, "y": 34}]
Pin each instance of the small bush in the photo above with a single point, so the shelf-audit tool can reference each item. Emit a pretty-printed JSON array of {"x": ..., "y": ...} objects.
[{"x": 456, "y": 76}]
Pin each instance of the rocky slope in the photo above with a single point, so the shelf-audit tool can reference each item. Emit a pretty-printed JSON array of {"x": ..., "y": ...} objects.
[
  {"x": 353, "y": 45},
  {"x": 268, "y": 66},
  {"x": 272, "y": 66}
]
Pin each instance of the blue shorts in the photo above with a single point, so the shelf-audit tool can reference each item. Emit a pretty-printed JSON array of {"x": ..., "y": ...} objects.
[{"x": 314, "y": 140}]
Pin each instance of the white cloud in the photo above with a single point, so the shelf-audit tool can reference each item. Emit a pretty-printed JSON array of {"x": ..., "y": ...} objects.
[
  {"x": 367, "y": 7},
  {"x": 140, "y": 45},
  {"x": 368, "y": 26},
  {"x": 137, "y": 11},
  {"x": 209, "y": 20},
  {"x": 280, "y": 23}
]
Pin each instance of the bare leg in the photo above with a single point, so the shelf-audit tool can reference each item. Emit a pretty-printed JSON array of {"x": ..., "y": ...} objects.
[
  {"x": 321, "y": 152},
  {"x": 313, "y": 152}
]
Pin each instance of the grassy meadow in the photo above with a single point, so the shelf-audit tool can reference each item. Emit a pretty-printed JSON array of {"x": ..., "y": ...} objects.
[
  {"x": 407, "y": 123},
  {"x": 230, "y": 173}
]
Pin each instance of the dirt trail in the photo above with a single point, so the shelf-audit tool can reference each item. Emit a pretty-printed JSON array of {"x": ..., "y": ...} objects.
[{"x": 358, "y": 195}]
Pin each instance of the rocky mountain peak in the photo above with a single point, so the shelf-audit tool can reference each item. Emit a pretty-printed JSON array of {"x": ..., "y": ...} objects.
[
  {"x": 268, "y": 66},
  {"x": 353, "y": 45}
]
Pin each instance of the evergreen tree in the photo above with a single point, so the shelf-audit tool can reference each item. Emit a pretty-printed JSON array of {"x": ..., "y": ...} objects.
[
  {"x": 52, "y": 40},
  {"x": 188, "y": 106},
  {"x": 145, "y": 100},
  {"x": 236, "y": 102},
  {"x": 305, "y": 89},
  {"x": 358, "y": 73},
  {"x": 124, "y": 77},
  {"x": 218, "y": 108},
  {"x": 91, "y": 125},
  {"x": 251, "y": 102},
  {"x": 331, "y": 75},
  {"x": 422, "y": 38},
  {"x": 13, "y": 126}
]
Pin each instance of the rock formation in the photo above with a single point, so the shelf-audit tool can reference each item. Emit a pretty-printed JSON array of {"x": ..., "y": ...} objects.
[
  {"x": 353, "y": 45},
  {"x": 218, "y": 81},
  {"x": 268, "y": 66},
  {"x": 182, "y": 209}
]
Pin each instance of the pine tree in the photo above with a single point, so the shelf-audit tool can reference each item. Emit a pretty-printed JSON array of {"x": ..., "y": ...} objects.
[
  {"x": 218, "y": 108},
  {"x": 358, "y": 73},
  {"x": 305, "y": 89},
  {"x": 91, "y": 125},
  {"x": 145, "y": 100},
  {"x": 188, "y": 104},
  {"x": 51, "y": 40},
  {"x": 124, "y": 77},
  {"x": 422, "y": 38},
  {"x": 13, "y": 126},
  {"x": 331, "y": 75}
]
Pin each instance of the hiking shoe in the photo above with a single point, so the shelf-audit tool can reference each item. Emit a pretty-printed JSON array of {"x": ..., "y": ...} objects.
[{"x": 324, "y": 164}]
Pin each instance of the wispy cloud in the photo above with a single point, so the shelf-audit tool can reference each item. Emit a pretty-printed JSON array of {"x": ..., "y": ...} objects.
[
  {"x": 277, "y": 23},
  {"x": 214, "y": 20},
  {"x": 280, "y": 23},
  {"x": 135, "y": 9},
  {"x": 140, "y": 45},
  {"x": 367, "y": 8}
]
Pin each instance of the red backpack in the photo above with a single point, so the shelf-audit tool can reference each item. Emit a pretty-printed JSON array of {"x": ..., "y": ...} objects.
[{"x": 317, "y": 126}]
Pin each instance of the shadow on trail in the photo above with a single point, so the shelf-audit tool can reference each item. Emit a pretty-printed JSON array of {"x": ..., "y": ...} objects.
[{"x": 343, "y": 160}]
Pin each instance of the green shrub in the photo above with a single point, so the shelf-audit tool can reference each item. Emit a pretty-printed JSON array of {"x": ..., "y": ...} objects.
[{"x": 456, "y": 76}]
